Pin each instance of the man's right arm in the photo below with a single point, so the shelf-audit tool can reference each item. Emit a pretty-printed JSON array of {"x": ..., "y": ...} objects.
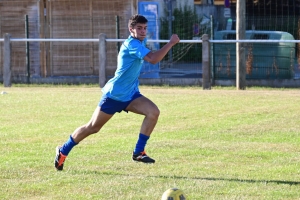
[{"x": 157, "y": 56}]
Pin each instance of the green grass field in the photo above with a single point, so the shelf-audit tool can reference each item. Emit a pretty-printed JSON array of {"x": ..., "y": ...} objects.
[{"x": 216, "y": 144}]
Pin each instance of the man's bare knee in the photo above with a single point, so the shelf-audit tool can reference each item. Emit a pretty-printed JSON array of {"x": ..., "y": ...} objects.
[
  {"x": 153, "y": 114},
  {"x": 157, "y": 112},
  {"x": 92, "y": 129}
]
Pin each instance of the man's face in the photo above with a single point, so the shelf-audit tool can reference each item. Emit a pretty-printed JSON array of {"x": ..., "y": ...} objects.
[{"x": 139, "y": 31}]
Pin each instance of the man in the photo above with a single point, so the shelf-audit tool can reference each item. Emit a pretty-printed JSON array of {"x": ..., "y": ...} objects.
[{"x": 122, "y": 93}]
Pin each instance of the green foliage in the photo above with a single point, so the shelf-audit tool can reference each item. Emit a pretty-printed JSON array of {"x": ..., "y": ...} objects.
[
  {"x": 183, "y": 25},
  {"x": 184, "y": 20}
]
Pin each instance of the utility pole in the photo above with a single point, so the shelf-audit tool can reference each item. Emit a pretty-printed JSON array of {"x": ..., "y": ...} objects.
[
  {"x": 170, "y": 20},
  {"x": 240, "y": 47}
]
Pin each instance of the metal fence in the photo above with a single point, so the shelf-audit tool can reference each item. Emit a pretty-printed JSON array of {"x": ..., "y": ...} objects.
[
  {"x": 208, "y": 74},
  {"x": 79, "y": 61}
]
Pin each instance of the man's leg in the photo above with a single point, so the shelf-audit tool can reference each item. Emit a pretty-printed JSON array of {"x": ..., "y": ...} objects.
[
  {"x": 146, "y": 107},
  {"x": 98, "y": 119}
]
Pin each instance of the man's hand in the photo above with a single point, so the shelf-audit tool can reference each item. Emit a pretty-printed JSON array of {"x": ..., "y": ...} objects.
[
  {"x": 157, "y": 56},
  {"x": 174, "y": 39}
]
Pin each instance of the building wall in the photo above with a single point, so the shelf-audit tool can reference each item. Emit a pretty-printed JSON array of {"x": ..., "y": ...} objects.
[
  {"x": 64, "y": 19},
  {"x": 84, "y": 19},
  {"x": 12, "y": 20},
  {"x": 189, "y": 3},
  {"x": 163, "y": 5}
]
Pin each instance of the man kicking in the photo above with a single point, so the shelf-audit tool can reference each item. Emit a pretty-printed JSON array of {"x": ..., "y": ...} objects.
[{"x": 121, "y": 93}]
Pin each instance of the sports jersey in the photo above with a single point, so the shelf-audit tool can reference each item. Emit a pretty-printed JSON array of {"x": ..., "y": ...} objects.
[{"x": 125, "y": 82}]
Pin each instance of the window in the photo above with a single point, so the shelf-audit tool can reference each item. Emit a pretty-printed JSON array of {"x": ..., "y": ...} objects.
[
  {"x": 230, "y": 36},
  {"x": 221, "y": 2},
  {"x": 260, "y": 37},
  {"x": 215, "y": 2}
]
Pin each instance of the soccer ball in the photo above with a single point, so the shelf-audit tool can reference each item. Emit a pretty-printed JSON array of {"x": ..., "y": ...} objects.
[{"x": 173, "y": 194}]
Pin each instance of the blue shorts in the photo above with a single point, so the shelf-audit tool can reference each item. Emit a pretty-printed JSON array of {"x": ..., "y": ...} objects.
[{"x": 111, "y": 106}]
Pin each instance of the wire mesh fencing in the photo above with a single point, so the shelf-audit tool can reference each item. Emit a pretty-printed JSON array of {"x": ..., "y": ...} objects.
[{"x": 80, "y": 59}]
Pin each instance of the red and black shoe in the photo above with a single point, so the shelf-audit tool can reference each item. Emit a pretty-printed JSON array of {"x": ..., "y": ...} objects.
[
  {"x": 142, "y": 157},
  {"x": 59, "y": 159}
]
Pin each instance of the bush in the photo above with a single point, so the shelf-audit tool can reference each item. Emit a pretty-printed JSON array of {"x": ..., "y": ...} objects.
[{"x": 183, "y": 25}]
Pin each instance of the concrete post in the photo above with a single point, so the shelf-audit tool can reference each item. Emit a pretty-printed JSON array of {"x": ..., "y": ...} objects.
[
  {"x": 206, "y": 80},
  {"x": 102, "y": 59},
  {"x": 7, "y": 61}
]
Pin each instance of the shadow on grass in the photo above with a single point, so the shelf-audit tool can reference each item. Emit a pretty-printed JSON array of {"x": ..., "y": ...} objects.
[
  {"x": 108, "y": 173},
  {"x": 236, "y": 180}
]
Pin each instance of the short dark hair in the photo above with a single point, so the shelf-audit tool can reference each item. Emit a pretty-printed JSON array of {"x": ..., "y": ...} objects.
[{"x": 136, "y": 19}]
